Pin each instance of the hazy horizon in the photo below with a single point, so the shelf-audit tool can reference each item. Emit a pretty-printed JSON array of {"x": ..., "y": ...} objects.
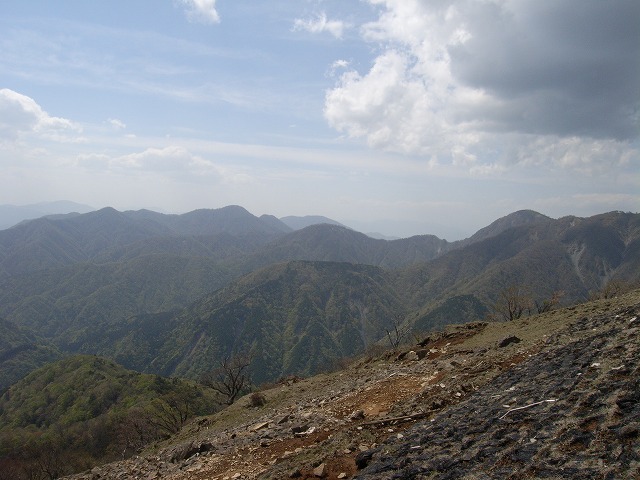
[{"x": 400, "y": 117}]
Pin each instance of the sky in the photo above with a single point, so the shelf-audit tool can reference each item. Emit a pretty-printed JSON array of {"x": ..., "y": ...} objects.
[{"x": 401, "y": 117}]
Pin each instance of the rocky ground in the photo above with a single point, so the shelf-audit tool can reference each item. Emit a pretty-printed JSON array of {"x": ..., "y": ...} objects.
[{"x": 550, "y": 396}]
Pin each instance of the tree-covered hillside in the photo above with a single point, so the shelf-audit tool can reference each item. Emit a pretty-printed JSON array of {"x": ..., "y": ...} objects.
[
  {"x": 68, "y": 415},
  {"x": 293, "y": 318},
  {"x": 170, "y": 294}
]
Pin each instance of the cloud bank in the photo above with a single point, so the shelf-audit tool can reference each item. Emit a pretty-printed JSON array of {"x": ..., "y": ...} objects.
[{"x": 486, "y": 85}]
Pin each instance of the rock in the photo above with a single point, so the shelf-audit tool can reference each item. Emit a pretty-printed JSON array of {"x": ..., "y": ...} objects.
[
  {"x": 184, "y": 451},
  {"x": 283, "y": 419},
  {"x": 363, "y": 458},
  {"x": 320, "y": 471},
  {"x": 422, "y": 353},
  {"x": 411, "y": 356},
  {"x": 505, "y": 342},
  {"x": 356, "y": 415},
  {"x": 258, "y": 426},
  {"x": 301, "y": 430}
]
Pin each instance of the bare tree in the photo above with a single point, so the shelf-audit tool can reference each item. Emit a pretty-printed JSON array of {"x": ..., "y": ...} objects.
[
  {"x": 169, "y": 414},
  {"x": 231, "y": 378},
  {"x": 134, "y": 431},
  {"x": 612, "y": 289},
  {"x": 397, "y": 333},
  {"x": 513, "y": 301},
  {"x": 549, "y": 304}
]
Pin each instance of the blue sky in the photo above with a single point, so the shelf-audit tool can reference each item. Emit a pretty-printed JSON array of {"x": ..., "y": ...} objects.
[{"x": 397, "y": 116}]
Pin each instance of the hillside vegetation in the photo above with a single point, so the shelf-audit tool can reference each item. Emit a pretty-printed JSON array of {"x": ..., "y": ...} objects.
[{"x": 80, "y": 410}]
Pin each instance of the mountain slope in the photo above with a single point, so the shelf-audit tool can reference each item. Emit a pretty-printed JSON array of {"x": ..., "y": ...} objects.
[
  {"x": 293, "y": 318},
  {"x": 576, "y": 256},
  {"x": 81, "y": 410},
  {"x": 21, "y": 352},
  {"x": 68, "y": 304},
  {"x": 551, "y": 405}
]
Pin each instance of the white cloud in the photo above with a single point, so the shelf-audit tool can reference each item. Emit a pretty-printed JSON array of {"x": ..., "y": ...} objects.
[
  {"x": 117, "y": 124},
  {"x": 489, "y": 85},
  {"x": 21, "y": 115},
  {"x": 338, "y": 65},
  {"x": 321, "y": 24},
  {"x": 172, "y": 161},
  {"x": 201, "y": 11},
  {"x": 168, "y": 159}
]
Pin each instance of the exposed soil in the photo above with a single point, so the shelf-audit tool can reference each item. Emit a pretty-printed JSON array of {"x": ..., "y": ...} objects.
[{"x": 562, "y": 402}]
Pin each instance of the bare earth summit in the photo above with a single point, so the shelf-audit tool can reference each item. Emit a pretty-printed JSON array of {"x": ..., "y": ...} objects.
[{"x": 552, "y": 396}]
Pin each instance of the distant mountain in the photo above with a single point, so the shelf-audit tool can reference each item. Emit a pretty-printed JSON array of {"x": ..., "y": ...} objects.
[
  {"x": 49, "y": 243},
  {"x": 324, "y": 242},
  {"x": 516, "y": 219},
  {"x": 11, "y": 215},
  {"x": 381, "y": 236},
  {"x": 298, "y": 223},
  {"x": 233, "y": 220}
]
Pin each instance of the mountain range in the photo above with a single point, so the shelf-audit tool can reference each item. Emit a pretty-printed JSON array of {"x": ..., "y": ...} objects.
[
  {"x": 174, "y": 295},
  {"x": 95, "y": 283}
]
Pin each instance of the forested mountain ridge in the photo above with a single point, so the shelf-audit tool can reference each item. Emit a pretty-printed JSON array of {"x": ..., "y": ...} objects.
[
  {"x": 11, "y": 215},
  {"x": 291, "y": 318},
  {"x": 105, "y": 305},
  {"x": 55, "y": 242}
]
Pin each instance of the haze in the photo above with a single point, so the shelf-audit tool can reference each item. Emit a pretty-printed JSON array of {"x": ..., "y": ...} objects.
[{"x": 397, "y": 116}]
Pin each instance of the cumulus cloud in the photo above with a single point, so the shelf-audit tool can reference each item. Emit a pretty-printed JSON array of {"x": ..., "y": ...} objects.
[
  {"x": 201, "y": 11},
  {"x": 320, "y": 24},
  {"x": 475, "y": 83},
  {"x": 21, "y": 115}
]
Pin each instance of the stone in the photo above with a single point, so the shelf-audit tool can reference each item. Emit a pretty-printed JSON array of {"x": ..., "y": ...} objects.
[
  {"x": 411, "y": 356},
  {"x": 320, "y": 471},
  {"x": 258, "y": 426},
  {"x": 363, "y": 458},
  {"x": 505, "y": 342},
  {"x": 283, "y": 419},
  {"x": 299, "y": 429},
  {"x": 356, "y": 415}
]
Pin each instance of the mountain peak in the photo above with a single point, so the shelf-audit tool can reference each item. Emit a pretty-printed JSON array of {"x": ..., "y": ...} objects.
[{"x": 515, "y": 219}]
